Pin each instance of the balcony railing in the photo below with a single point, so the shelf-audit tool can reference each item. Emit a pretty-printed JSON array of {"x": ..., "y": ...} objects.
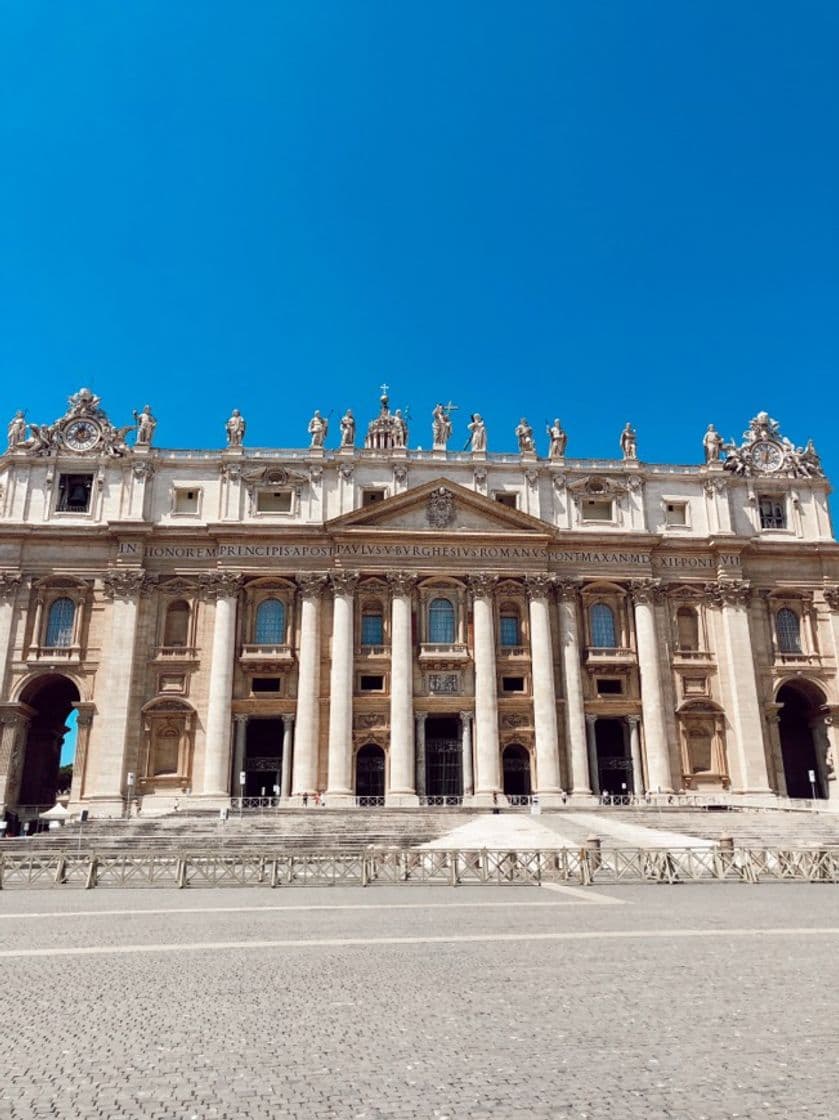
[
  {"x": 609, "y": 653},
  {"x": 693, "y": 655},
  {"x": 513, "y": 651},
  {"x": 372, "y": 651},
  {"x": 448, "y": 651},
  {"x": 55, "y": 653},
  {"x": 176, "y": 653},
  {"x": 253, "y": 651},
  {"x": 797, "y": 658}
]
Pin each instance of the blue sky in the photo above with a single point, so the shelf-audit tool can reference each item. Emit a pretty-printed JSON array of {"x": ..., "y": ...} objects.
[{"x": 601, "y": 211}]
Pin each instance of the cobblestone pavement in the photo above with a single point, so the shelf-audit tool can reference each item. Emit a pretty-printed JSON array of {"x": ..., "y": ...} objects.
[{"x": 421, "y": 1002}]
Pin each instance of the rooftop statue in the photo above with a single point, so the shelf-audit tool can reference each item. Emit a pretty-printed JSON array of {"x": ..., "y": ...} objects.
[
  {"x": 558, "y": 440},
  {"x": 146, "y": 424},
  {"x": 712, "y": 441},
  {"x": 17, "y": 431},
  {"x": 318, "y": 427},
  {"x": 765, "y": 451},
  {"x": 441, "y": 425},
  {"x": 347, "y": 425},
  {"x": 235, "y": 428},
  {"x": 478, "y": 429},
  {"x": 524, "y": 434},
  {"x": 629, "y": 442}
]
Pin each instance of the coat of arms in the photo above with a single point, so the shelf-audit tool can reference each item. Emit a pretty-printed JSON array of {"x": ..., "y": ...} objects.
[{"x": 440, "y": 510}]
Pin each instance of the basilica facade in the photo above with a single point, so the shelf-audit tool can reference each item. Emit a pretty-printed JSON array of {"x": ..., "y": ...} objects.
[{"x": 381, "y": 624}]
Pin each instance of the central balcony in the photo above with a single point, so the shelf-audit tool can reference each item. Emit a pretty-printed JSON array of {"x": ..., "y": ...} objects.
[
  {"x": 439, "y": 652},
  {"x": 609, "y": 655},
  {"x": 256, "y": 652}
]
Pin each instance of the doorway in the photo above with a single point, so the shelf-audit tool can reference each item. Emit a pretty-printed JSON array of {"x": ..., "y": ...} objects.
[
  {"x": 801, "y": 749},
  {"x": 516, "y": 767},
  {"x": 263, "y": 757},
  {"x": 370, "y": 775},
  {"x": 443, "y": 757},
  {"x": 614, "y": 761}
]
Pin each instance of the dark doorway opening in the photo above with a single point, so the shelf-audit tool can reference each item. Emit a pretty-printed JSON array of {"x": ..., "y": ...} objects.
[
  {"x": 799, "y": 720},
  {"x": 370, "y": 774},
  {"x": 516, "y": 763},
  {"x": 614, "y": 762},
  {"x": 443, "y": 757},
  {"x": 263, "y": 757},
  {"x": 43, "y": 777}
]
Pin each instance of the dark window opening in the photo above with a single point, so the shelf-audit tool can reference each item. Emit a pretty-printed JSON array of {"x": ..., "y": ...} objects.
[
  {"x": 609, "y": 687},
  {"x": 509, "y": 500},
  {"x": 512, "y": 684},
  {"x": 772, "y": 514},
  {"x": 372, "y": 683},
  {"x": 370, "y": 497},
  {"x": 265, "y": 684},
  {"x": 74, "y": 492}
]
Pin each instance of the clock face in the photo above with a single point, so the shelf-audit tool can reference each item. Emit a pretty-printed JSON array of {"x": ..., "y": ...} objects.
[
  {"x": 767, "y": 456},
  {"x": 82, "y": 435}
]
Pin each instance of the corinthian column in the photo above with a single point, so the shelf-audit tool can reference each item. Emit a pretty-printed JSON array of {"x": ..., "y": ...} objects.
[
  {"x": 107, "y": 767},
  {"x": 644, "y": 593},
  {"x": 402, "y": 766},
  {"x": 306, "y": 737},
  {"x": 223, "y": 587},
  {"x": 14, "y": 726},
  {"x": 339, "y": 783},
  {"x": 488, "y": 776},
  {"x": 748, "y": 772},
  {"x": 9, "y": 587},
  {"x": 575, "y": 717},
  {"x": 544, "y": 690}
]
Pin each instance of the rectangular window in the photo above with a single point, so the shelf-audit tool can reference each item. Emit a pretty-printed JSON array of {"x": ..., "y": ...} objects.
[
  {"x": 372, "y": 630},
  {"x": 509, "y": 500},
  {"x": 608, "y": 686},
  {"x": 509, "y": 630},
  {"x": 676, "y": 513},
  {"x": 74, "y": 492},
  {"x": 273, "y": 501},
  {"x": 370, "y": 497},
  {"x": 369, "y": 682},
  {"x": 186, "y": 501},
  {"x": 595, "y": 509},
  {"x": 512, "y": 684},
  {"x": 265, "y": 684},
  {"x": 773, "y": 514}
]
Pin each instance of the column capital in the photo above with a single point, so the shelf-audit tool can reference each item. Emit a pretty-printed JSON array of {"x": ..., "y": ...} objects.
[
  {"x": 401, "y": 583},
  {"x": 591, "y": 720},
  {"x": 343, "y": 583},
  {"x": 288, "y": 719},
  {"x": 219, "y": 585},
  {"x": 632, "y": 721},
  {"x": 645, "y": 590},
  {"x": 241, "y": 717},
  {"x": 466, "y": 716},
  {"x": 567, "y": 589},
  {"x": 421, "y": 717},
  {"x": 729, "y": 592},
  {"x": 311, "y": 584},
  {"x": 128, "y": 583},
  {"x": 9, "y": 584},
  {"x": 482, "y": 584},
  {"x": 831, "y": 597},
  {"x": 85, "y": 711},
  {"x": 539, "y": 585}
]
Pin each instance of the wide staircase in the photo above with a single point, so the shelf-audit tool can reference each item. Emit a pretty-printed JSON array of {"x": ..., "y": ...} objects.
[{"x": 747, "y": 827}]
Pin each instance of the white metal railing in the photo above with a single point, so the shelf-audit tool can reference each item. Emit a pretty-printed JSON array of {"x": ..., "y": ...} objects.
[
  {"x": 521, "y": 799},
  {"x": 239, "y": 803},
  {"x": 370, "y": 801},
  {"x": 757, "y": 802},
  {"x": 440, "y": 800}
]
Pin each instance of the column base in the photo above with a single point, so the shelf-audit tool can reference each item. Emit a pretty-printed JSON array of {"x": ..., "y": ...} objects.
[
  {"x": 405, "y": 800},
  {"x": 489, "y": 800},
  {"x": 340, "y": 799},
  {"x": 99, "y": 807},
  {"x": 551, "y": 800}
]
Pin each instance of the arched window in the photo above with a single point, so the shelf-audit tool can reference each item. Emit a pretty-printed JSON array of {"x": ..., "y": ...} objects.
[
  {"x": 60, "y": 623},
  {"x": 788, "y": 626},
  {"x": 603, "y": 631},
  {"x": 270, "y": 623},
  {"x": 441, "y": 621},
  {"x": 176, "y": 627},
  {"x": 688, "y": 628},
  {"x": 509, "y": 631}
]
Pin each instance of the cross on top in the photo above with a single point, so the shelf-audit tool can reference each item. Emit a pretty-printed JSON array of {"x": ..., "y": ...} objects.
[{"x": 384, "y": 388}]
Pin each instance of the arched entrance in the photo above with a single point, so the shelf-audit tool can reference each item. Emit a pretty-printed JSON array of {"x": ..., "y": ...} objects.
[
  {"x": 370, "y": 773},
  {"x": 42, "y": 778},
  {"x": 614, "y": 760},
  {"x": 516, "y": 767},
  {"x": 803, "y": 745}
]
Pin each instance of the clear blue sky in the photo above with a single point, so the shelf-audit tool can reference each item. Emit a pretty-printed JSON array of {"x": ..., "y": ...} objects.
[{"x": 601, "y": 211}]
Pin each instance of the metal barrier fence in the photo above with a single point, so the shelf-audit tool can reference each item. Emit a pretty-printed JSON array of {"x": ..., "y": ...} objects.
[{"x": 585, "y": 866}]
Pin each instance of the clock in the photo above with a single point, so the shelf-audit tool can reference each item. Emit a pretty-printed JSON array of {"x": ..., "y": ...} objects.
[
  {"x": 82, "y": 435},
  {"x": 766, "y": 456}
]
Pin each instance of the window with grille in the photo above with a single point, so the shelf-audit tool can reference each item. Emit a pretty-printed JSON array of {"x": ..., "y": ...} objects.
[
  {"x": 270, "y": 623},
  {"x": 509, "y": 630},
  {"x": 372, "y": 629},
  {"x": 441, "y": 622},
  {"x": 60, "y": 623},
  {"x": 603, "y": 630},
  {"x": 773, "y": 515},
  {"x": 788, "y": 627}
]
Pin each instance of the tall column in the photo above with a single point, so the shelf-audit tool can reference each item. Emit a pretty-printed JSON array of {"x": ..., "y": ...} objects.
[
  {"x": 9, "y": 586},
  {"x": 306, "y": 739},
  {"x": 544, "y": 690},
  {"x": 224, "y": 588},
  {"x": 644, "y": 593},
  {"x": 749, "y": 773},
  {"x": 575, "y": 721},
  {"x": 488, "y": 776},
  {"x": 285, "y": 777},
  {"x": 14, "y": 726},
  {"x": 591, "y": 748},
  {"x": 339, "y": 782},
  {"x": 84, "y": 722},
  {"x": 468, "y": 767},
  {"x": 420, "y": 732},
  {"x": 240, "y": 723},
  {"x": 402, "y": 766},
  {"x": 107, "y": 768},
  {"x": 635, "y": 754}
]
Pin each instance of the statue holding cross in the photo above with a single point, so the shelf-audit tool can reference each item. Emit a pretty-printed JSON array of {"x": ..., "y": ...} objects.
[{"x": 441, "y": 425}]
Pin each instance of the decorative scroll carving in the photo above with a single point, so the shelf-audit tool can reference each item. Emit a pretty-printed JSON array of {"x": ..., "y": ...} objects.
[
  {"x": 515, "y": 720},
  {"x": 440, "y": 510},
  {"x": 831, "y": 597},
  {"x": 764, "y": 451},
  {"x": 178, "y": 586},
  {"x": 401, "y": 583},
  {"x": 84, "y": 429},
  {"x": 539, "y": 585},
  {"x": 646, "y": 590},
  {"x": 346, "y": 470},
  {"x": 231, "y": 472},
  {"x": 127, "y": 583},
  {"x": 729, "y": 592},
  {"x": 311, "y": 584},
  {"x": 400, "y": 474},
  {"x": 480, "y": 476},
  {"x": 532, "y": 478},
  {"x": 343, "y": 583},
  {"x": 9, "y": 584},
  {"x": 366, "y": 720},
  {"x": 567, "y": 589},
  {"x": 143, "y": 469},
  {"x": 482, "y": 584},
  {"x": 220, "y": 585}
]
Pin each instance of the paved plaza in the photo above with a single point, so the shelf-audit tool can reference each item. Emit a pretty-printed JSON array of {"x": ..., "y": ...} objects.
[{"x": 421, "y": 1002}]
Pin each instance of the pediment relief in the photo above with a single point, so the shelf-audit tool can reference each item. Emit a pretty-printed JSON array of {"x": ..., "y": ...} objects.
[
  {"x": 273, "y": 476},
  {"x": 441, "y": 507},
  {"x": 597, "y": 486}
]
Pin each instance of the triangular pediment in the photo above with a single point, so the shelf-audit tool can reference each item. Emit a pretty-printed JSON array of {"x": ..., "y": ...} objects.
[{"x": 439, "y": 507}]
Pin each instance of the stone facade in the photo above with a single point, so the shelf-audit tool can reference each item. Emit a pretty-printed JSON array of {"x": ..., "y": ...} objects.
[{"x": 399, "y": 625}]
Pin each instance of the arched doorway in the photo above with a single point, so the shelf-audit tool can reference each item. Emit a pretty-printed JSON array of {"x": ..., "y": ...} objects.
[
  {"x": 801, "y": 728},
  {"x": 614, "y": 760},
  {"x": 42, "y": 777},
  {"x": 516, "y": 767},
  {"x": 370, "y": 774}
]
